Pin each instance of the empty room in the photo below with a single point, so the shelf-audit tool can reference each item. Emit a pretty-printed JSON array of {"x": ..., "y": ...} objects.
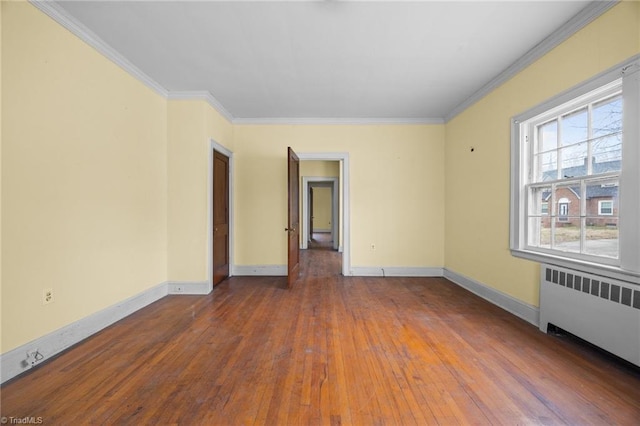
[{"x": 320, "y": 212}]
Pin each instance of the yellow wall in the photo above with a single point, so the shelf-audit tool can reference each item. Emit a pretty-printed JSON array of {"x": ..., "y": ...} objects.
[
  {"x": 313, "y": 168},
  {"x": 191, "y": 126},
  {"x": 84, "y": 190},
  {"x": 322, "y": 209},
  {"x": 477, "y": 183},
  {"x": 397, "y": 190}
]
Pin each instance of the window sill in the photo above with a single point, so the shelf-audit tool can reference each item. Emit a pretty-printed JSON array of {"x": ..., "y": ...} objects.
[{"x": 581, "y": 265}]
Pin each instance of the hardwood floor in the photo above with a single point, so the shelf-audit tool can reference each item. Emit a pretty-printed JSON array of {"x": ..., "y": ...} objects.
[
  {"x": 321, "y": 241},
  {"x": 333, "y": 350}
]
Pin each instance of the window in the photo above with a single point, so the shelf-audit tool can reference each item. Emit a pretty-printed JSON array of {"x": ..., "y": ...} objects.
[
  {"x": 544, "y": 208},
  {"x": 605, "y": 208},
  {"x": 575, "y": 176}
]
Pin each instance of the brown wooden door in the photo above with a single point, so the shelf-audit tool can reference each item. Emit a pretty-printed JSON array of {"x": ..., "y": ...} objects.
[
  {"x": 293, "y": 220},
  {"x": 220, "y": 217}
]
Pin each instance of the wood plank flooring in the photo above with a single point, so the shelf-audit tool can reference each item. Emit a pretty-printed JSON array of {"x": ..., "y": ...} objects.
[{"x": 333, "y": 350}]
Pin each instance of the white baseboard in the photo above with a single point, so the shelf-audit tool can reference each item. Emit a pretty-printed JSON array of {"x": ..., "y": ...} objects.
[
  {"x": 510, "y": 304},
  {"x": 260, "y": 270},
  {"x": 188, "y": 287},
  {"x": 395, "y": 271},
  {"x": 17, "y": 361}
]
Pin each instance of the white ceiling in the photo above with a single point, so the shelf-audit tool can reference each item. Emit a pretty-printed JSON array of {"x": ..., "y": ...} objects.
[{"x": 374, "y": 60}]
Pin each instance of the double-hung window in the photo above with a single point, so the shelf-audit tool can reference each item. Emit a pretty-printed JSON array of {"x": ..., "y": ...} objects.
[{"x": 575, "y": 176}]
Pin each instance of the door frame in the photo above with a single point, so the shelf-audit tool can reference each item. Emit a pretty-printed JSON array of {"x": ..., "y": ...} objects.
[
  {"x": 345, "y": 171},
  {"x": 215, "y": 146},
  {"x": 328, "y": 182}
]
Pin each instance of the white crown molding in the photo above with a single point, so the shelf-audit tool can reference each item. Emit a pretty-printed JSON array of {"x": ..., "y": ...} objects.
[
  {"x": 202, "y": 95},
  {"x": 62, "y": 17},
  {"x": 336, "y": 121},
  {"x": 592, "y": 11}
]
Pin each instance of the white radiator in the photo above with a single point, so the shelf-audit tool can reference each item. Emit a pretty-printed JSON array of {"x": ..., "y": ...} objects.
[{"x": 602, "y": 311}]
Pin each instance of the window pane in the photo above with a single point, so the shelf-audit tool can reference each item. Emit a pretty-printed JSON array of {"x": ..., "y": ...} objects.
[
  {"x": 547, "y": 166},
  {"x": 540, "y": 232},
  {"x": 607, "y": 117},
  {"x": 607, "y": 153},
  {"x": 602, "y": 237},
  {"x": 601, "y": 195},
  {"x": 602, "y": 218},
  {"x": 575, "y": 127},
  {"x": 567, "y": 235},
  {"x": 539, "y": 204},
  {"x": 548, "y": 136},
  {"x": 567, "y": 218},
  {"x": 574, "y": 160}
]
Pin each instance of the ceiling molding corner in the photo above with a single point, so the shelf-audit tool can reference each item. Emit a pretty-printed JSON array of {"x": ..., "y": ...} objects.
[
  {"x": 202, "y": 95},
  {"x": 587, "y": 15},
  {"x": 62, "y": 17}
]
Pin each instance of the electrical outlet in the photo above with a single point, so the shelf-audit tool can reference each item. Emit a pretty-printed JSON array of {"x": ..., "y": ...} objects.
[
  {"x": 373, "y": 246},
  {"x": 33, "y": 357},
  {"x": 47, "y": 296}
]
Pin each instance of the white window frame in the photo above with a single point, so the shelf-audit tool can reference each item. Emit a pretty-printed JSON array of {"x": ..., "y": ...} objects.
[
  {"x": 600, "y": 203},
  {"x": 627, "y": 266}
]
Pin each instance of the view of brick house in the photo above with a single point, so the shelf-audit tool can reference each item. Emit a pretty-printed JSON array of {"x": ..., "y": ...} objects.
[{"x": 601, "y": 199}]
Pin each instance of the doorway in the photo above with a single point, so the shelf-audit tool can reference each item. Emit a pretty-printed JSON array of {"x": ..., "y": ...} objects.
[
  {"x": 344, "y": 196},
  {"x": 324, "y": 212},
  {"x": 220, "y": 222},
  {"x": 326, "y": 217}
]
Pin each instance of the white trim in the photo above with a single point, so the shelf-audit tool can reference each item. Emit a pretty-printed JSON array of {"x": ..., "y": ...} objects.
[
  {"x": 14, "y": 362},
  {"x": 510, "y": 304},
  {"x": 337, "y": 121},
  {"x": 578, "y": 264},
  {"x": 201, "y": 96},
  {"x": 62, "y": 17},
  {"x": 396, "y": 271},
  {"x": 587, "y": 15},
  {"x": 309, "y": 181},
  {"x": 260, "y": 270},
  {"x": 215, "y": 146},
  {"x": 629, "y": 195},
  {"x": 188, "y": 287},
  {"x": 345, "y": 169}
]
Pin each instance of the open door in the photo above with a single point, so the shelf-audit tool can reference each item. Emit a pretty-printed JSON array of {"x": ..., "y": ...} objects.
[{"x": 293, "y": 221}]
